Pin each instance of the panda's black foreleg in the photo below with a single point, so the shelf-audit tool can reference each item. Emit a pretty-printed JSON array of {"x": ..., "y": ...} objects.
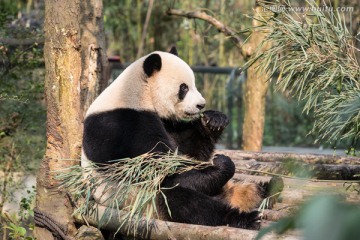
[
  {"x": 197, "y": 138},
  {"x": 189, "y": 206},
  {"x": 209, "y": 181},
  {"x": 207, "y": 131}
]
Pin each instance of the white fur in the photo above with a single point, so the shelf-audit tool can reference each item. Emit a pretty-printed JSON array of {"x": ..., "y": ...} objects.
[{"x": 159, "y": 93}]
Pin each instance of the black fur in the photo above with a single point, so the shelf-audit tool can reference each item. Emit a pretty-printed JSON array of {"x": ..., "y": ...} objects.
[
  {"x": 152, "y": 64},
  {"x": 208, "y": 181},
  {"x": 198, "y": 208},
  {"x": 197, "y": 138},
  {"x": 183, "y": 90},
  {"x": 174, "y": 51},
  {"x": 124, "y": 133}
]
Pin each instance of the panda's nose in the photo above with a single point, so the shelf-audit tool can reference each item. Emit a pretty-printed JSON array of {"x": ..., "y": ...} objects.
[{"x": 200, "y": 106}]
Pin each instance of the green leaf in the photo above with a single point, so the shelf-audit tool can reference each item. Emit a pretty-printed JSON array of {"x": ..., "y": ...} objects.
[{"x": 22, "y": 231}]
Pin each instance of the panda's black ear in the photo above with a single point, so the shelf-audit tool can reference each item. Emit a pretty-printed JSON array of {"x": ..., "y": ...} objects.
[
  {"x": 152, "y": 64},
  {"x": 174, "y": 51}
]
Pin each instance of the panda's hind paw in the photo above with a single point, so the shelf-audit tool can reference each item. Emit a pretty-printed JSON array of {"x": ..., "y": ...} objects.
[
  {"x": 251, "y": 220},
  {"x": 225, "y": 164},
  {"x": 214, "y": 120}
]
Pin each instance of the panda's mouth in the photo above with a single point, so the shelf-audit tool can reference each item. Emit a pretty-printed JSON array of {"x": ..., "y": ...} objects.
[{"x": 192, "y": 115}]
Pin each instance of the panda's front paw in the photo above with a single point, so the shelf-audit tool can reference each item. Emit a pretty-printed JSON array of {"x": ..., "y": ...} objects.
[{"x": 214, "y": 120}]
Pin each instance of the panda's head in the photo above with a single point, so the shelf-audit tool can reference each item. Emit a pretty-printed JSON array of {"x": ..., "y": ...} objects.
[
  {"x": 172, "y": 86},
  {"x": 160, "y": 82}
]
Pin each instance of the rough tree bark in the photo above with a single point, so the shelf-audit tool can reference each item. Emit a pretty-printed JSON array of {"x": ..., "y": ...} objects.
[
  {"x": 256, "y": 83},
  {"x": 75, "y": 60},
  {"x": 256, "y": 86}
]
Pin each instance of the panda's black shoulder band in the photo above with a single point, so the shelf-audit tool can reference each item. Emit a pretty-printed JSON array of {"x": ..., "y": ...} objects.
[{"x": 152, "y": 64}]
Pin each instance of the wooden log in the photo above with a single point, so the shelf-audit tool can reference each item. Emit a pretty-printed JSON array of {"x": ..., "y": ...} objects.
[
  {"x": 160, "y": 230},
  {"x": 279, "y": 211},
  {"x": 292, "y": 167},
  {"x": 297, "y": 191},
  {"x": 281, "y": 157}
]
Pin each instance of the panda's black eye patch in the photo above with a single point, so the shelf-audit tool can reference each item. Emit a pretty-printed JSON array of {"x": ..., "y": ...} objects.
[{"x": 183, "y": 90}]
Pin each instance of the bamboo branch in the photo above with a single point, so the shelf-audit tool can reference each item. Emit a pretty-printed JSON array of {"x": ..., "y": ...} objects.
[{"x": 234, "y": 36}]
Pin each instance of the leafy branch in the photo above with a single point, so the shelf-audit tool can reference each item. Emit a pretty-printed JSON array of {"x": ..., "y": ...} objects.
[
  {"x": 221, "y": 27},
  {"x": 313, "y": 58}
]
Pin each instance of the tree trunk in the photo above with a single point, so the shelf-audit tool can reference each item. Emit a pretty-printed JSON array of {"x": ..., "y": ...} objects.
[
  {"x": 75, "y": 60},
  {"x": 256, "y": 86}
]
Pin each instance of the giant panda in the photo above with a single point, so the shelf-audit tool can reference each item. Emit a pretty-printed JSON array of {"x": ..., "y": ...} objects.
[{"x": 154, "y": 106}]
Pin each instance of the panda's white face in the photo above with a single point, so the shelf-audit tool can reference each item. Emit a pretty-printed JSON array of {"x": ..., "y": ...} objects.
[
  {"x": 160, "y": 82},
  {"x": 173, "y": 90}
]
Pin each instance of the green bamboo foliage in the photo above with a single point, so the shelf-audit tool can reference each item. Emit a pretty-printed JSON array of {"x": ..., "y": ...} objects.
[
  {"x": 313, "y": 57},
  {"x": 130, "y": 185}
]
